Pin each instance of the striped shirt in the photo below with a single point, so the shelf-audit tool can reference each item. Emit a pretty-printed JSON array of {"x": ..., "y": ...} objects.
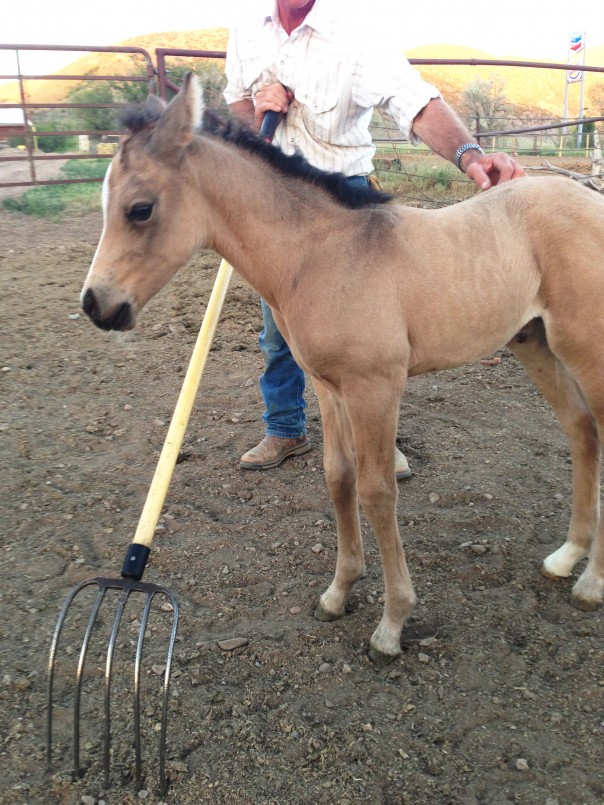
[{"x": 337, "y": 79}]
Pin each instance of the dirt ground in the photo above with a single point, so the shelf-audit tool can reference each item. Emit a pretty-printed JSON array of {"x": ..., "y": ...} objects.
[
  {"x": 19, "y": 170},
  {"x": 498, "y": 696}
]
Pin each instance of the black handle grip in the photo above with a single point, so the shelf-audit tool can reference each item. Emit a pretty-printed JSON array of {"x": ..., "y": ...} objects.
[
  {"x": 135, "y": 561},
  {"x": 269, "y": 125}
]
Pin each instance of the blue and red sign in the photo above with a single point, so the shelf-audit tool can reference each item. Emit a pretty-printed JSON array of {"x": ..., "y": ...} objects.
[
  {"x": 576, "y": 56},
  {"x": 577, "y": 42}
]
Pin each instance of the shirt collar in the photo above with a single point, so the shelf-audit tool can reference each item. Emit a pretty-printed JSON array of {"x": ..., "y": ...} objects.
[{"x": 318, "y": 17}]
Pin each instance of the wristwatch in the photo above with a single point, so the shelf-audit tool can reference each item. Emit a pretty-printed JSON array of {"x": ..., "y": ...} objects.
[{"x": 462, "y": 150}]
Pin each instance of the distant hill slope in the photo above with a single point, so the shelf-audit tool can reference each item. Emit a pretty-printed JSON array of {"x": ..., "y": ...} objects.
[
  {"x": 533, "y": 90},
  {"x": 116, "y": 63}
]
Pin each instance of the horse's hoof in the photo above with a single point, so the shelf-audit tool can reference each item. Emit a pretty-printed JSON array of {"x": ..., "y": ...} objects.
[
  {"x": 560, "y": 563},
  {"x": 588, "y": 592},
  {"x": 322, "y": 614},
  {"x": 381, "y": 659},
  {"x": 552, "y": 576},
  {"x": 584, "y": 604}
]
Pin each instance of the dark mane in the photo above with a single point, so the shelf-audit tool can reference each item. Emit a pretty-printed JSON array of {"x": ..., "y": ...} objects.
[
  {"x": 137, "y": 118},
  {"x": 296, "y": 165}
]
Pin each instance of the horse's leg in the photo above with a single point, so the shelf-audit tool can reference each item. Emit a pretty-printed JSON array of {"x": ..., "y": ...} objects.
[
  {"x": 578, "y": 423},
  {"x": 339, "y": 465},
  {"x": 372, "y": 405},
  {"x": 581, "y": 353}
]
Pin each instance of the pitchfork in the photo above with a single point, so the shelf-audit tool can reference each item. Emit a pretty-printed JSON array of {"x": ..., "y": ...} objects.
[
  {"x": 134, "y": 567},
  {"x": 138, "y": 554}
]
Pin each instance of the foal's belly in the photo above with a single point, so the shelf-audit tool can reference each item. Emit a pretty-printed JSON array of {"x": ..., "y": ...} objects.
[{"x": 448, "y": 347}]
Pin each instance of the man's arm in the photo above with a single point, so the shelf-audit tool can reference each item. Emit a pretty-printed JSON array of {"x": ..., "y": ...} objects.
[
  {"x": 443, "y": 132},
  {"x": 244, "y": 112}
]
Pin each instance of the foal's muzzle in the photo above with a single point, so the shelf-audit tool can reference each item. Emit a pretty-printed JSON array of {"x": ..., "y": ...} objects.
[{"x": 120, "y": 318}]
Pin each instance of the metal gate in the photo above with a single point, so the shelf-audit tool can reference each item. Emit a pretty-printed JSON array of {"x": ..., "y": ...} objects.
[{"x": 157, "y": 79}]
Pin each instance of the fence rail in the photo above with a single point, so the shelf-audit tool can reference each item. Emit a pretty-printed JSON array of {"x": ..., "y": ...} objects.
[
  {"x": 156, "y": 75},
  {"x": 27, "y": 105}
]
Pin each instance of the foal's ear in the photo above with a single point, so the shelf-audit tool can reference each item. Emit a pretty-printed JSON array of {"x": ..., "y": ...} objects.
[
  {"x": 181, "y": 117},
  {"x": 154, "y": 107}
]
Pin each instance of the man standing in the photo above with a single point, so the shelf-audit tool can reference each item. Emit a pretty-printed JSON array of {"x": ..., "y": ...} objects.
[{"x": 301, "y": 59}]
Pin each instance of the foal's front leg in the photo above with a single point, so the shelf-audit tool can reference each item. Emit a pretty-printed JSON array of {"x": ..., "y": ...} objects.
[
  {"x": 339, "y": 465},
  {"x": 372, "y": 406}
]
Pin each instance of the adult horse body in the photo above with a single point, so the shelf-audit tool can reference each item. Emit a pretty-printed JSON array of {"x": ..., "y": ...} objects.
[{"x": 368, "y": 293}]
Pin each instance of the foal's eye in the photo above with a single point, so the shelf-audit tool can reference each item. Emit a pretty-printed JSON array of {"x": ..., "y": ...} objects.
[{"x": 139, "y": 212}]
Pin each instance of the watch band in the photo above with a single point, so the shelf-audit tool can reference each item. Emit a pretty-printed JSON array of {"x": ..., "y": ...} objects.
[{"x": 462, "y": 150}]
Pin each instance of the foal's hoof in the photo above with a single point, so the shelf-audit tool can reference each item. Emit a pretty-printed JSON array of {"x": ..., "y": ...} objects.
[
  {"x": 588, "y": 592},
  {"x": 325, "y": 615},
  {"x": 381, "y": 659},
  {"x": 545, "y": 571},
  {"x": 584, "y": 604},
  {"x": 560, "y": 563}
]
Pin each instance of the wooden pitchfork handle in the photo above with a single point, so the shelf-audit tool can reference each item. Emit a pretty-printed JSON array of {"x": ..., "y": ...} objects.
[
  {"x": 140, "y": 548},
  {"x": 138, "y": 552}
]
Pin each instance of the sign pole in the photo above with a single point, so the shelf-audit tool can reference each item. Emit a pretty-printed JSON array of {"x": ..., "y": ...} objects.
[{"x": 576, "y": 57}]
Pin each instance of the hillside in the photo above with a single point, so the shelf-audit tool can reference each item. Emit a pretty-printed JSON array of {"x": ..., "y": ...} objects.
[
  {"x": 532, "y": 90},
  {"x": 116, "y": 63}
]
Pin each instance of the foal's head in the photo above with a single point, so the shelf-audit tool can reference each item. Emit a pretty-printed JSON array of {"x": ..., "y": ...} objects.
[{"x": 148, "y": 233}]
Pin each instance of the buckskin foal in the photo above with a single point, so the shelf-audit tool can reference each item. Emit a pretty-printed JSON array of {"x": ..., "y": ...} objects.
[{"x": 367, "y": 293}]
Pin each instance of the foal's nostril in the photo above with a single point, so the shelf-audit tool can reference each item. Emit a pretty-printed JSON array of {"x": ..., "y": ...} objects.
[
  {"x": 89, "y": 304},
  {"x": 120, "y": 318}
]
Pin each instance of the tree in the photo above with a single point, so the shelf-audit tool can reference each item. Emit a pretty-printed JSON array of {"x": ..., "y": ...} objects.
[
  {"x": 485, "y": 101},
  {"x": 211, "y": 76},
  {"x": 48, "y": 121},
  {"x": 95, "y": 118},
  {"x": 212, "y": 79}
]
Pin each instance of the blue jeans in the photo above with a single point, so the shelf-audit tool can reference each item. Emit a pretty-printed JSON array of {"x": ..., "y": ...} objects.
[{"x": 282, "y": 384}]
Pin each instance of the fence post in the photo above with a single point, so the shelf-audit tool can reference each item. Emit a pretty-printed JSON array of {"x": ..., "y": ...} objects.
[
  {"x": 596, "y": 157},
  {"x": 161, "y": 73}
]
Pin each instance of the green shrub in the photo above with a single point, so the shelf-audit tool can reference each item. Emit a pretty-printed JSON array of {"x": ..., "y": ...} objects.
[
  {"x": 50, "y": 201},
  {"x": 85, "y": 168}
]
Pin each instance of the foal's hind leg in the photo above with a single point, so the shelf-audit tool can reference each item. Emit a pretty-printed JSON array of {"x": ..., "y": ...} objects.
[
  {"x": 340, "y": 476},
  {"x": 578, "y": 423}
]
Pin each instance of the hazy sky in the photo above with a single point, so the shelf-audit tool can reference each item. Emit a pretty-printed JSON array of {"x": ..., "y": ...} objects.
[{"x": 527, "y": 29}]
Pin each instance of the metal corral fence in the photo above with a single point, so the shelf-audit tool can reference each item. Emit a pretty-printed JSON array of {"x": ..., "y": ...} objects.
[
  {"x": 24, "y": 111},
  {"x": 411, "y": 171}
]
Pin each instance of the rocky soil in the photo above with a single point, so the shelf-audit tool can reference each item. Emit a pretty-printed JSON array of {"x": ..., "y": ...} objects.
[{"x": 498, "y": 697}]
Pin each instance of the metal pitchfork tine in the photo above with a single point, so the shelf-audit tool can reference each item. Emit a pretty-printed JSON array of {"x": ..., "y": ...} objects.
[
  {"x": 127, "y": 586},
  {"x": 135, "y": 563}
]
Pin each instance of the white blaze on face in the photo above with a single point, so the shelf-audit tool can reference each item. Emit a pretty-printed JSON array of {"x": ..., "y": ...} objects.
[
  {"x": 105, "y": 193},
  {"x": 105, "y": 207}
]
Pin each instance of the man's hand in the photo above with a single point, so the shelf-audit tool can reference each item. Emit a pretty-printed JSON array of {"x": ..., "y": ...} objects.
[
  {"x": 274, "y": 98},
  {"x": 487, "y": 170}
]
